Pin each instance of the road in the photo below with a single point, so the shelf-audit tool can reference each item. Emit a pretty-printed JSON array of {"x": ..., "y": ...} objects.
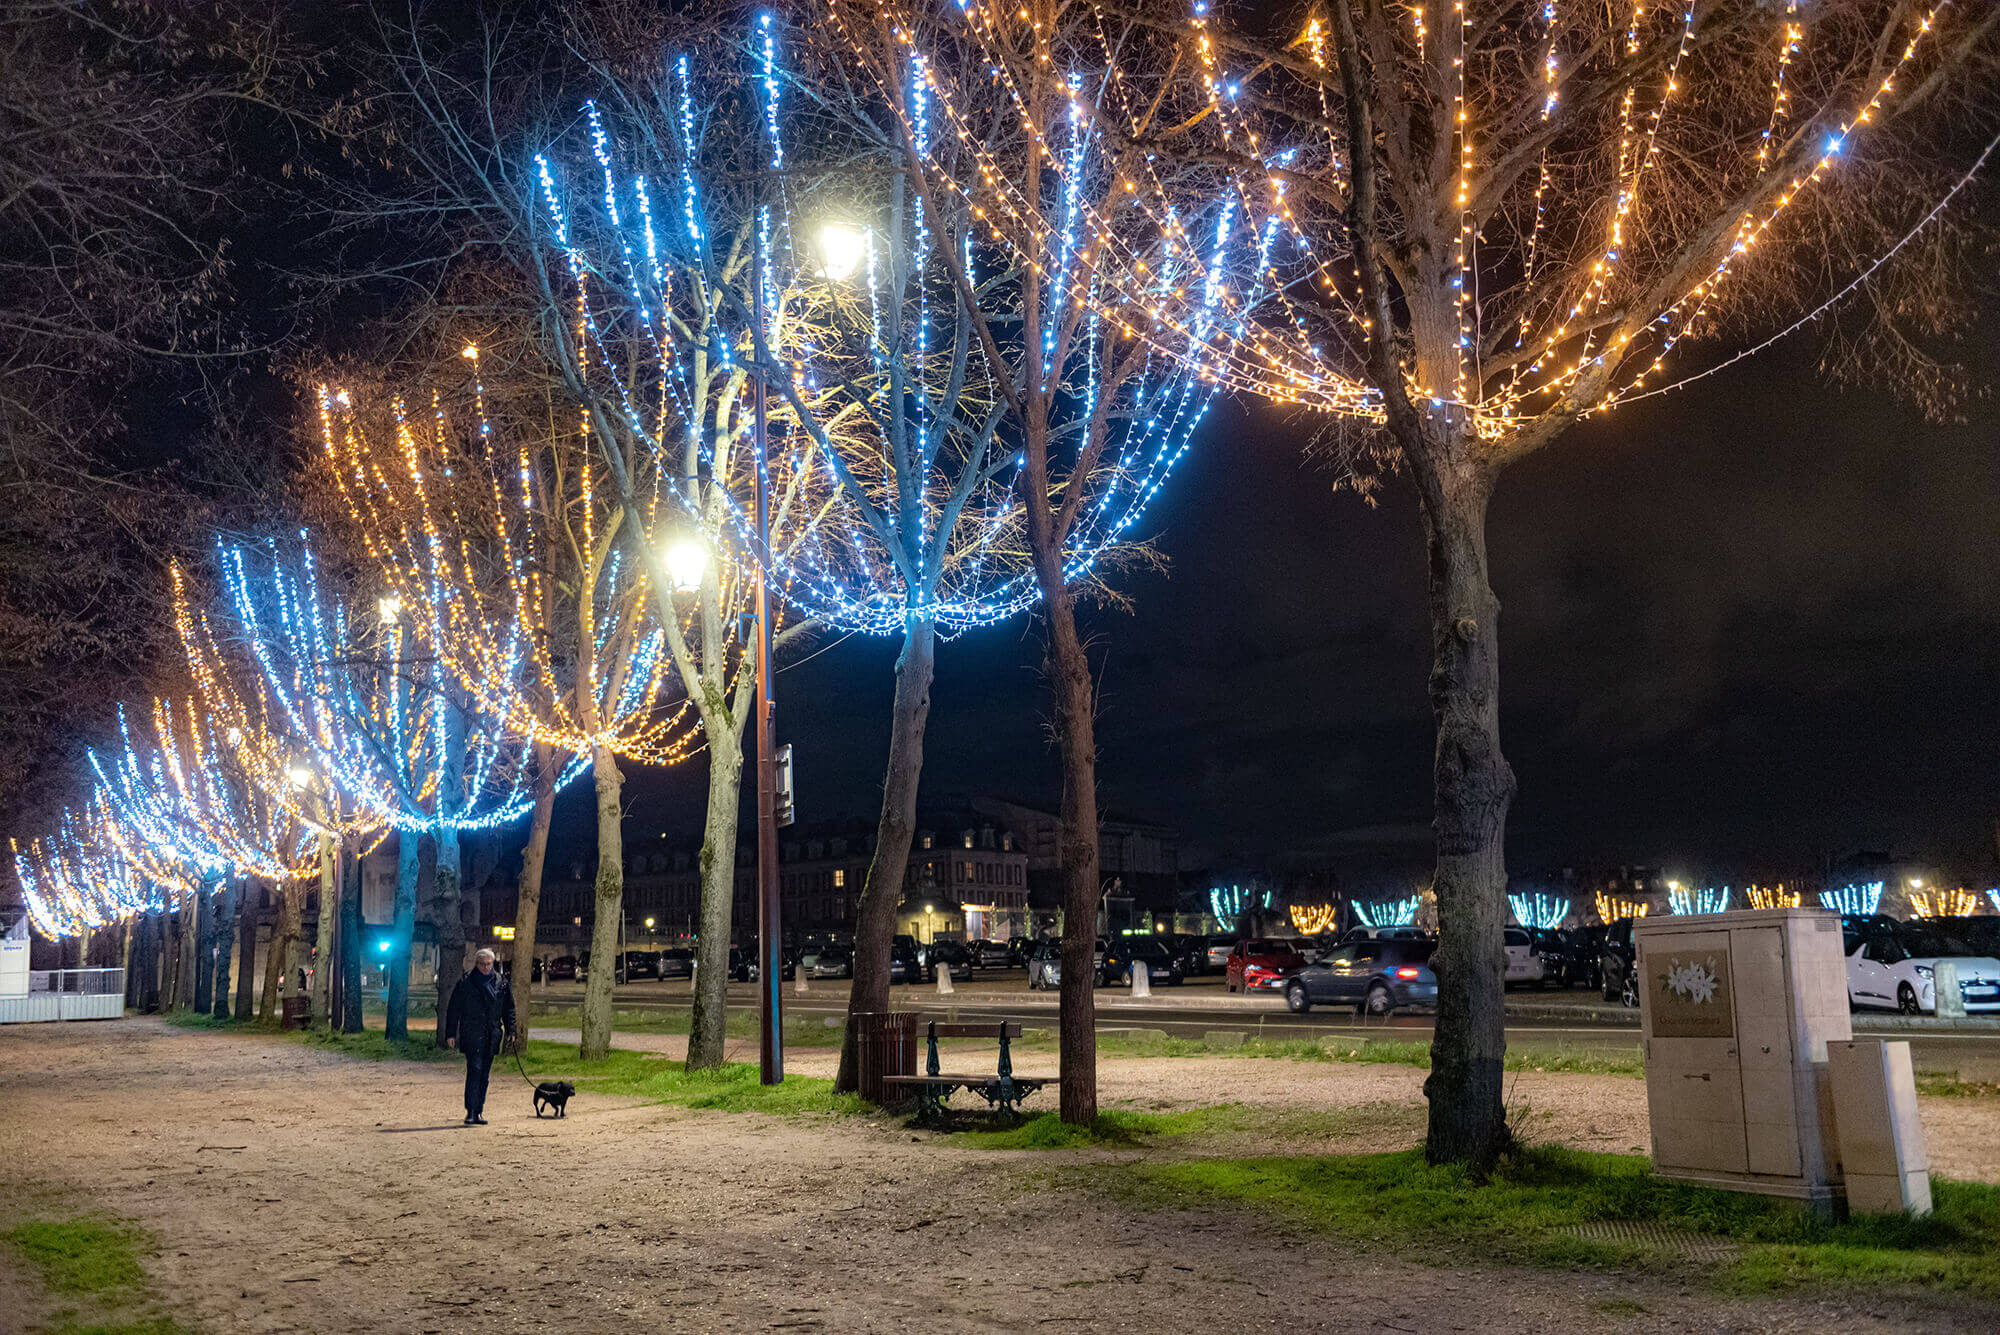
[{"x": 1201, "y": 1006}]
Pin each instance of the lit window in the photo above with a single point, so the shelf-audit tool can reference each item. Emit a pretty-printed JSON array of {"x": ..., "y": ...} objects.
[
  {"x": 839, "y": 877},
  {"x": 968, "y": 839},
  {"x": 927, "y": 841}
]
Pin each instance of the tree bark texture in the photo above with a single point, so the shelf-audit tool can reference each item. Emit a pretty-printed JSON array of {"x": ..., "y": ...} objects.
[
  {"x": 225, "y": 944},
  {"x": 189, "y": 940},
  {"x": 131, "y": 976},
  {"x": 528, "y": 900},
  {"x": 1473, "y": 788},
  {"x": 402, "y": 937},
  {"x": 449, "y": 919},
  {"x": 708, "y": 1024},
  {"x": 323, "y": 925},
  {"x": 293, "y": 919},
  {"x": 1076, "y": 842},
  {"x": 350, "y": 947},
  {"x": 875, "y": 915},
  {"x": 274, "y": 957},
  {"x": 204, "y": 951},
  {"x": 246, "y": 951},
  {"x": 610, "y": 906}
]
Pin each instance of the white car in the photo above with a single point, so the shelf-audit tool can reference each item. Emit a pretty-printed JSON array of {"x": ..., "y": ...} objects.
[
  {"x": 1882, "y": 973},
  {"x": 1523, "y": 964}
]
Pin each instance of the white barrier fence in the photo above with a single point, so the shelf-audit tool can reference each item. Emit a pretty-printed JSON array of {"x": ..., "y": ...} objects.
[{"x": 67, "y": 994}]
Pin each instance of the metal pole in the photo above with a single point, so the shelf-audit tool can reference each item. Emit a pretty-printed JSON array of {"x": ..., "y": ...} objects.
[{"x": 770, "y": 959}]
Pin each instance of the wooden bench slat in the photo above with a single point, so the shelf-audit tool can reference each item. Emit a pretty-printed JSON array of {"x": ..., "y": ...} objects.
[
  {"x": 943, "y": 1030},
  {"x": 943, "y": 1078}
]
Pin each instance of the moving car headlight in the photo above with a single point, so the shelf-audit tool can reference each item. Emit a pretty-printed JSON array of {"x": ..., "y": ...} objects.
[{"x": 1923, "y": 970}]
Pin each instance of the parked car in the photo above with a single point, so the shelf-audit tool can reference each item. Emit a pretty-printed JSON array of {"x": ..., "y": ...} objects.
[
  {"x": 1307, "y": 948},
  {"x": 1045, "y": 966},
  {"x": 1586, "y": 946},
  {"x": 1020, "y": 947},
  {"x": 949, "y": 955},
  {"x": 1138, "y": 952},
  {"x": 1899, "y": 972},
  {"x": 1616, "y": 964},
  {"x": 1375, "y": 977},
  {"x": 564, "y": 969},
  {"x": 745, "y": 967},
  {"x": 636, "y": 964},
  {"x": 1218, "y": 952},
  {"x": 1191, "y": 951},
  {"x": 1523, "y": 964},
  {"x": 905, "y": 964},
  {"x": 829, "y": 962},
  {"x": 677, "y": 962},
  {"x": 1260, "y": 965},
  {"x": 992, "y": 955}
]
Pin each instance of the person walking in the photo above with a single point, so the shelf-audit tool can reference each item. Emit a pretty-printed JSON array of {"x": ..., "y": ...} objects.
[{"x": 479, "y": 1020}]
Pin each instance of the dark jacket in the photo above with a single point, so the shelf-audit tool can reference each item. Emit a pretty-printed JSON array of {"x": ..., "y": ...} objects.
[{"x": 481, "y": 1011}]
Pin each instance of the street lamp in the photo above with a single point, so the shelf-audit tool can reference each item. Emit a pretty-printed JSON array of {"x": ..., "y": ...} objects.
[
  {"x": 686, "y": 563},
  {"x": 842, "y": 248},
  {"x": 390, "y": 606},
  {"x": 300, "y": 776}
]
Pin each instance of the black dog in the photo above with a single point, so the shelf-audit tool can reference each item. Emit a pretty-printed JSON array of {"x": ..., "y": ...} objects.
[{"x": 556, "y": 1094}]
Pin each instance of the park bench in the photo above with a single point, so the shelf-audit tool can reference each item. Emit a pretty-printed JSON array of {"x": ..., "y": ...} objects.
[{"x": 1003, "y": 1090}]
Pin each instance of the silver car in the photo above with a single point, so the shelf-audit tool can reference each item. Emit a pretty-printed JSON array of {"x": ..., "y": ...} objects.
[{"x": 1045, "y": 967}]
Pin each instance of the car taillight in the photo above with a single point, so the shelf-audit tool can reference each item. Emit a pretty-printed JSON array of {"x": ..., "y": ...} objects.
[{"x": 1407, "y": 972}]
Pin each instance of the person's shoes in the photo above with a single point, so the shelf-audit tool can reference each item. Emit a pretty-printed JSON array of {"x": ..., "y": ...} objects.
[
  {"x": 477, "y": 1120},
  {"x": 470, "y": 1120}
]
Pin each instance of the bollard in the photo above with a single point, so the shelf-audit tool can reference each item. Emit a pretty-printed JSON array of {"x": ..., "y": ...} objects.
[
  {"x": 1948, "y": 998},
  {"x": 944, "y": 980},
  {"x": 799, "y": 981},
  {"x": 1142, "y": 979}
]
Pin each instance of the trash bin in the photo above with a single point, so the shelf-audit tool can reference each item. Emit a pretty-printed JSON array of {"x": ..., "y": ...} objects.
[{"x": 885, "y": 1044}]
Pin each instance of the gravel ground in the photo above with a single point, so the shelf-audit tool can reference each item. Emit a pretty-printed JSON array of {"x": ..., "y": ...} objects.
[{"x": 298, "y": 1190}]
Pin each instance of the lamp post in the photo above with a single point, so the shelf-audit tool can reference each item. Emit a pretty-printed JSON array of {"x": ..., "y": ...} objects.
[{"x": 770, "y": 923}]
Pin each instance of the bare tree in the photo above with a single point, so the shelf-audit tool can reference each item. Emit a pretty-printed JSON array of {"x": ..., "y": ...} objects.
[{"x": 1494, "y": 221}]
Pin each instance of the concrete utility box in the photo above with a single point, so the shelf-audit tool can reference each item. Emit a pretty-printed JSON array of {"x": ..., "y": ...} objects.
[
  {"x": 1882, "y": 1149},
  {"x": 1737, "y": 1010}
]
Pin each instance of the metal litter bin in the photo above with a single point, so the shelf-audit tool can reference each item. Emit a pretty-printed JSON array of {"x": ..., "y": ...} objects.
[{"x": 885, "y": 1044}]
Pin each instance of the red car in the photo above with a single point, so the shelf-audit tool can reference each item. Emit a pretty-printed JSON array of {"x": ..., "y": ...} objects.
[{"x": 1261, "y": 966}]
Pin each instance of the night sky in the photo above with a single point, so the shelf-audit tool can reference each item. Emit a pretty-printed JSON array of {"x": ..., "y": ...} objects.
[{"x": 1743, "y": 628}]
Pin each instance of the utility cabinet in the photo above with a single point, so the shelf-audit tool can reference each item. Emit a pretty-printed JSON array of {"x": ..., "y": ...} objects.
[{"x": 1737, "y": 1010}]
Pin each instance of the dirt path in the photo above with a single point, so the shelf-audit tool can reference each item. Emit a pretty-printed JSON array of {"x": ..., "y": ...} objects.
[
  {"x": 297, "y": 1190},
  {"x": 1586, "y": 1112}
]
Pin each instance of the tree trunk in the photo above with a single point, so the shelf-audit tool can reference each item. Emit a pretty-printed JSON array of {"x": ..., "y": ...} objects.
[
  {"x": 449, "y": 919},
  {"x": 1076, "y": 841},
  {"x": 875, "y": 916},
  {"x": 1473, "y": 789},
  {"x": 190, "y": 952},
  {"x": 323, "y": 925},
  {"x": 402, "y": 937},
  {"x": 131, "y": 982},
  {"x": 225, "y": 945},
  {"x": 528, "y": 900},
  {"x": 274, "y": 956},
  {"x": 350, "y": 946},
  {"x": 204, "y": 951},
  {"x": 610, "y": 907},
  {"x": 246, "y": 950},
  {"x": 295, "y": 938},
  {"x": 708, "y": 1024}
]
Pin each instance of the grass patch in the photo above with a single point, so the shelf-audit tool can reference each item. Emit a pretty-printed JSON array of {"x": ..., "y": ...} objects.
[
  {"x": 88, "y": 1256},
  {"x": 1946, "y": 1085},
  {"x": 733, "y": 1087},
  {"x": 368, "y": 1045},
  {"x": 800, "y": 1031},
  {"x": 1524, "y": 1212},
  {"x": 92, "y": 1264},
  {"x": 1568, "y": 1059},
  {"x": 1206, "y": 1127}
]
